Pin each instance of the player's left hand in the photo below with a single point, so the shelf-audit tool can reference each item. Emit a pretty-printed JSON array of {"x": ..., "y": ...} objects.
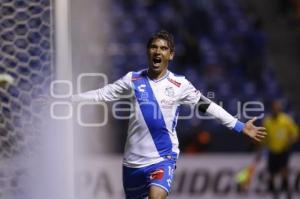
[{"x": 255, "y": 132}]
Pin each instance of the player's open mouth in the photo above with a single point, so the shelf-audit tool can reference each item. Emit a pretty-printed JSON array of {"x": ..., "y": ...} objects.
[{"x": 156, "y": 61}]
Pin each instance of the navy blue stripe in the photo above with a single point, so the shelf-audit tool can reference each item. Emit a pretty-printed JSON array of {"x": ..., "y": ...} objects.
[
  {"x": 152, "y": 114},
  {"x": 175, "y": 119}
]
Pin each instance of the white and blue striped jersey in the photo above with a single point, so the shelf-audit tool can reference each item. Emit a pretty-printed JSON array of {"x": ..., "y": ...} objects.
[{"x": 151, "y": 135}]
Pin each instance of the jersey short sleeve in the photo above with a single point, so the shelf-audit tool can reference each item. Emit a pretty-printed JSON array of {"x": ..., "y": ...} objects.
[
  {"x": 190, "y": 95},
  {"x": 119, "y": 89}
]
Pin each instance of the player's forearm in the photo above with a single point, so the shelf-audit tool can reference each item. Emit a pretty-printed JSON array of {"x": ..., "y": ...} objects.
[
  {"x": 224, "y": 117},
  {"x": 111, "y": 92},
  {"x": 108, "y": 93},
  {"x": 90, "y": 96},
  {"x": 209, "y": 107}
]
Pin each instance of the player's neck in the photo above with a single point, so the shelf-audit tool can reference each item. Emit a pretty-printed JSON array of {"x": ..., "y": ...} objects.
[{"x": 155, "y": 76}]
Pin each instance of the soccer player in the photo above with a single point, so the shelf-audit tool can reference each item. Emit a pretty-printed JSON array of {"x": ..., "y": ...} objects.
[{"x": 151, "y": 148}]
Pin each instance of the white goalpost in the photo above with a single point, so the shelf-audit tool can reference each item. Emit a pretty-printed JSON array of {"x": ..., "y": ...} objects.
[{"x": 63, "y": 71}]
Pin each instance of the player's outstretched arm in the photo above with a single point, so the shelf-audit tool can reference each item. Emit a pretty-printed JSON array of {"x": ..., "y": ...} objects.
[
  {"x": 207, "y": 106},
  {"x": 257, "y": 133},
  {"x": 111, "y": 92}
]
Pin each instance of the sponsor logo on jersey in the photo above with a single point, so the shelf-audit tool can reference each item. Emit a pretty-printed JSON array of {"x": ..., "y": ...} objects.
[
  {"x": 157, "y": 175},
  {"x": 176, "y": 83},
  {"x": 144, "y": 97},
  {"x": 143, "y": 93},
  {"x": 142, "y": 87},
  {"x": 167, "y": 103}
]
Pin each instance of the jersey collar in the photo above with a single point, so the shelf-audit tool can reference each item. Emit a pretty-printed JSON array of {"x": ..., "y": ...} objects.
[{"x": 158, "y": 80}]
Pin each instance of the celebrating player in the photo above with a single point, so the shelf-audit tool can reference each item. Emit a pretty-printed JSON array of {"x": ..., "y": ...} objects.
[{"x": 151, "y": 148}]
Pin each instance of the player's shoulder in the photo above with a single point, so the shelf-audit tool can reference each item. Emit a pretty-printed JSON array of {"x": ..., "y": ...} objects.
[
  {"x": 135, "y": 74},
  {"x": 131, "y": 74},
  {"x": 178, "y": 79},
  {"x": 285, "y": 117}
]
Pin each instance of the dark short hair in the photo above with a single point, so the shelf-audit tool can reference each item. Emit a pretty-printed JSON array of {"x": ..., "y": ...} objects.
[{"x": 165, "y": 35}]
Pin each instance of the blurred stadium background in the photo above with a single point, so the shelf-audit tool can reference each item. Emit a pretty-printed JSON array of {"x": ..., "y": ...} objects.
[{"x": 240, "y": 50}]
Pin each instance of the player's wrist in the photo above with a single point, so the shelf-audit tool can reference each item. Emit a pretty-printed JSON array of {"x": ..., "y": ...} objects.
[{"x": 239, "y": 126}]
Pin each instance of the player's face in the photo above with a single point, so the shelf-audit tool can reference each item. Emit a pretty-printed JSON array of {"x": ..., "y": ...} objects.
[{"x": 159, "y": 55}]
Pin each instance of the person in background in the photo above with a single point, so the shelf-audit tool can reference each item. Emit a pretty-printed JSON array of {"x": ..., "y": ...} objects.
[{"x": 282, "y": 134}]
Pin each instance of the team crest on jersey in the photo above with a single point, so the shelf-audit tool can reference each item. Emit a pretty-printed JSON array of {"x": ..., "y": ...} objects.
[{"x": 169, "y": 91}]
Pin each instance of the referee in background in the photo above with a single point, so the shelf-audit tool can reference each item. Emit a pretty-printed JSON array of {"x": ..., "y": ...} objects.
[{"x": 282, "y": 134}]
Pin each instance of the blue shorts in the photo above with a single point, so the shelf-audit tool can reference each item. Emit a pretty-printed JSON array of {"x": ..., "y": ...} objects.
[{"x": 137, "y": 181}]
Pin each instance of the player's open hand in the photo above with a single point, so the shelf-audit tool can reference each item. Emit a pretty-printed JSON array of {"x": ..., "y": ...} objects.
[{"x": 255, "y": 132}]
